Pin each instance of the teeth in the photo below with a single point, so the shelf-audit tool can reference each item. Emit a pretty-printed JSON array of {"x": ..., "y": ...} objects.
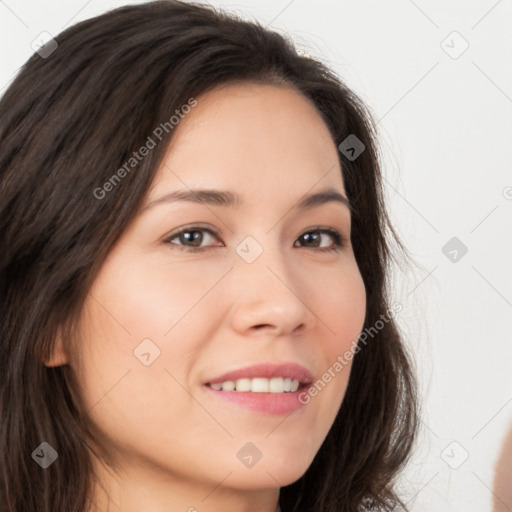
[
  {"x": 258, "y": 385},
  {"x": 229, "y": 385},
  {"x": 243, "y": 385}
]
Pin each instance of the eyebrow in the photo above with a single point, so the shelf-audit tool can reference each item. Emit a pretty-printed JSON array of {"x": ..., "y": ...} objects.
[{"x": 227, "y": 198}]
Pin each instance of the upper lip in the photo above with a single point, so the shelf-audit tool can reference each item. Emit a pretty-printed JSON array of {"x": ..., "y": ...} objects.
[{"x": 268, "y": 371}]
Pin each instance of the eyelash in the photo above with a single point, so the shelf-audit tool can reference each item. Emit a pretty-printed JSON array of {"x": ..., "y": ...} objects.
[{"x": 339, "y": 240}]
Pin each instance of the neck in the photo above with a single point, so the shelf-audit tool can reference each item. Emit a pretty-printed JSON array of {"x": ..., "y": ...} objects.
[{"x": 143, "y": 488}]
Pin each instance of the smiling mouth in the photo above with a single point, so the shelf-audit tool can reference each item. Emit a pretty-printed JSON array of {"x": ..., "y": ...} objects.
[{"x": 274, "y": 396}]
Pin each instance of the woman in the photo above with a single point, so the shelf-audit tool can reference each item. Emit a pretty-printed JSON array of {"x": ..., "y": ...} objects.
[{"x": 193, "y": 274}]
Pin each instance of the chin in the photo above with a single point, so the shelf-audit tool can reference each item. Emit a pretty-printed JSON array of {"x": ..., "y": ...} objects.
[
  {"x": 264, "y": 478},
  {"x": 278, "y": 471}
]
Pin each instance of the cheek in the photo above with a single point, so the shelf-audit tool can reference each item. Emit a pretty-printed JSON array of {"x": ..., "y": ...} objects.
[
  {"x": 341, "y": 304},
  {"x": 135, "y": 405},
  {"x": 148, "y": 299},
  {"x": 341, "y": 307},
  {"x": 136, "y": 314}
]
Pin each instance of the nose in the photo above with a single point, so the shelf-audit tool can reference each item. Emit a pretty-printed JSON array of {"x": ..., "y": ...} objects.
[{"x": 269, "y": 297}]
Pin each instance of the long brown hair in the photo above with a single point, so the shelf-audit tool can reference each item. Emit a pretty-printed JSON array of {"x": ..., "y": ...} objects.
[{"x": 72, "y": 117}]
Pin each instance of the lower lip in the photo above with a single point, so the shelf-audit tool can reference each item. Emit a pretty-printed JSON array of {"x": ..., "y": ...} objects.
[{"x": 269, "y": 403}]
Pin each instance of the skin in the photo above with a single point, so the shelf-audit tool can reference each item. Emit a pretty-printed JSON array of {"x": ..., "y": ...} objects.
[
  {"x": 502, "y": 489},
  {"x": 175, "y": 446}
]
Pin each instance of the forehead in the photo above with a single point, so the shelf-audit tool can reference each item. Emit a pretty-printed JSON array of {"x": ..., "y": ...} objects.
[{"x": 252, "y": 137}]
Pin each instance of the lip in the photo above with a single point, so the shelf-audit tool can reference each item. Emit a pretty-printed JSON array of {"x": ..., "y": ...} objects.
[
  {"x": 267, "y": 403},
  {"x": 267, "y": 370}
]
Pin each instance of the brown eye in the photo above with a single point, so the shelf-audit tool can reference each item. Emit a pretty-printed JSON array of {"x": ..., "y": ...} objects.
[
  {"x": 190, "y": 238},
  {"x": 313, "y": 239}
]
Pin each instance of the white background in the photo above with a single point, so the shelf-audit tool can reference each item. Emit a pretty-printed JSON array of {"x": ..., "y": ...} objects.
[{"x": 446, "y": 131}]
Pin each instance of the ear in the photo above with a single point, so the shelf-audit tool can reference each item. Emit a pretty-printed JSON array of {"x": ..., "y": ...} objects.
[{"x": 59, "y": 356}]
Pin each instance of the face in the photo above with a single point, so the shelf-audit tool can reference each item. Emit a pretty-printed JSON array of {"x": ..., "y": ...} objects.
[{"x": 195, "y": 290}]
